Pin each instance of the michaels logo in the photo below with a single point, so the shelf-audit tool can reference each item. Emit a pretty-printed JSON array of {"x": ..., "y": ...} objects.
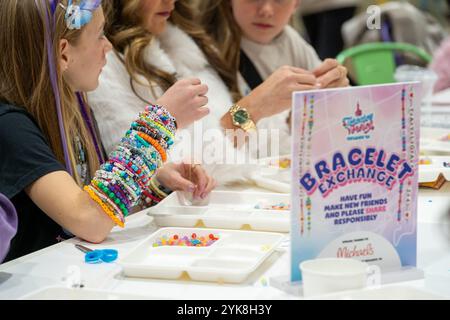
[{"x": 359, "y": 125}]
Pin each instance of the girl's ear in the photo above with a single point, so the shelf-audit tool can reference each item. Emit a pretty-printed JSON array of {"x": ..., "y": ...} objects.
[
  {"x": 64, "y": 50},
  {"x": 297, "y": 4}
]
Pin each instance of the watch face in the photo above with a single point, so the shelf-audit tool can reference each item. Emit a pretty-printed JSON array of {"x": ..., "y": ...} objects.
[{"x": 241, "y": 116}]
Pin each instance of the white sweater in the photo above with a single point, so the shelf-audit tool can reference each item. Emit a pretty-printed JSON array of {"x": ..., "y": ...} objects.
[
  {"x": 116, "y": 105},
  {"x": 289, "y": 48}
]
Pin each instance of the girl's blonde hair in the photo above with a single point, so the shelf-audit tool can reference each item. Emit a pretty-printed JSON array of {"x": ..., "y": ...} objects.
[
  {"x": 25, "y": 76},
  {"x": 126, "y": 32}
]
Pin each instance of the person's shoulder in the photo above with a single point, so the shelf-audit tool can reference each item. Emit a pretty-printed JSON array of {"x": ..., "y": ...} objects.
[
  {"x": 13, "y": 116},
  {"x": 8, "y": 109},
  {"x": 14, "y": 119}
]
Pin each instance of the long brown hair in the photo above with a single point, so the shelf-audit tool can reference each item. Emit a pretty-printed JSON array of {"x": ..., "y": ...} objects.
[
  {"x": 25, "y": 77},
  {"x": 125, "y": 31},
  {"x": 186, "y": 17},
  {"x": 216, "y": 18}
]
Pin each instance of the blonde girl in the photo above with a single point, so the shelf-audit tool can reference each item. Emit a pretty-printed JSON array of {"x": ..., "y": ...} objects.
[
  {"x": 270, "y": 57},
  {"x": 52, "y": 51},
  {"x": 145, "y": 68}
]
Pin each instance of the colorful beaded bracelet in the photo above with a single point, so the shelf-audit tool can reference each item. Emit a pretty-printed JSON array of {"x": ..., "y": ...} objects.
[
  {"x": 105, "y": 208},
  {"x": 125, "y": 179}
]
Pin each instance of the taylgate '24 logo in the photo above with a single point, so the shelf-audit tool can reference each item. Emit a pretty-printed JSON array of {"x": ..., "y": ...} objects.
[{"x": 359, "y": 126}]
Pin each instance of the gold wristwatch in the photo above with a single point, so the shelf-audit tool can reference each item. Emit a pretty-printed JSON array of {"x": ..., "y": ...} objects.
[{"x": 241, "y": 118}]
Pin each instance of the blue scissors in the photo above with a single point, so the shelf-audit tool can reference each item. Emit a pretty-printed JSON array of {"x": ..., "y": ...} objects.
[{"x": 98, "y": 256}]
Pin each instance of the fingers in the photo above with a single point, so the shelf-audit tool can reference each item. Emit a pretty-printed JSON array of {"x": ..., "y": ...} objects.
[
  {"x": 192, "y": 81},
  {"x": 337, "y": 74},
  {"x": 212, "y": 184},
  {"x": 326, "y": 66},
  {"x": 200, "y": 101},
  {"x": 182, "y": 184},
  {"x": 299, "y": 70},
  {"x": 305, "y": 88},
  {"x": 201, "y": 113},
  {"x": 341, "y": 83},
  {"x": 196, "y": 86},
  {"x": 209, "y": 187},
  {"x": 201, "y": 179},
  {"x": 201, "y": 89},
  {"x": 304, "y": 79}
]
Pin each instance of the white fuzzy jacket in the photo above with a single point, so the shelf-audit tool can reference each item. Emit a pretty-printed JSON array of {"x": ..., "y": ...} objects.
[{"x": 115, "y": 104}]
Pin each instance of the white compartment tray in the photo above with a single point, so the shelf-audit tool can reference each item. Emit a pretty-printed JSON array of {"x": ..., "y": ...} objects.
[
  {"x": 64, "y": 293},
  {"x": 430, "y": 172},
  {"x": 397, "y": 292},
  {"x": 231, "y": 259},
  {"x": 434, "y": 142},
  {"x": 226, "y": 210}
]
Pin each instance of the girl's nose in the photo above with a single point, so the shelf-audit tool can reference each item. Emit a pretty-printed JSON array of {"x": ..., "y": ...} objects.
[{"x": 266, "y": 9}]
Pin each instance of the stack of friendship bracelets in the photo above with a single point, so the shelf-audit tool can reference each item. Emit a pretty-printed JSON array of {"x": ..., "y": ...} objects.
[{"x": 125, "y": 180}]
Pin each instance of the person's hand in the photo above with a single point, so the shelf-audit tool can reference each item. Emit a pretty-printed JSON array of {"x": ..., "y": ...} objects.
[
  {"x": 274, "y": 95},
  {"x": 186, "y": 101},
  {"x": 186, "y": 177},
  {"x": 330, "y": 74}
]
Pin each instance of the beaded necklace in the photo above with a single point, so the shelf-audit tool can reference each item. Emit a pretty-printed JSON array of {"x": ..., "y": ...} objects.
[
  {"x": 308, "y": 159},
  {"x": 411, "y": 152},
  {"x": 301, "y": 157},
  {"x": 403, "y": 139},
  {"x": 81, "y": 164}
]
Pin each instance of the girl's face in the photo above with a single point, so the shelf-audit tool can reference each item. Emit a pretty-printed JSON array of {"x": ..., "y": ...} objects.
[
  {"x": 262, "y": 20},
  {"x": 155, "y": 13},
  {"x": 82, "y": 63}
]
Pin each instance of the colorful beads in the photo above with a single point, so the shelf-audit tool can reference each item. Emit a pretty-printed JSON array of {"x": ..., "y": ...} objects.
[
  {"x": 124, "y": 180},
  {"x": 425, "y": 161},
  {"x": 186, "y": 241},
  {"x": 285, "y": 163},
  {"x": 278, "y": 207}
]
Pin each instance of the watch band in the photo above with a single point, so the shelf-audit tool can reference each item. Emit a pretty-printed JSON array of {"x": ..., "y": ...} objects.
[{"x": 248, "y": 125}]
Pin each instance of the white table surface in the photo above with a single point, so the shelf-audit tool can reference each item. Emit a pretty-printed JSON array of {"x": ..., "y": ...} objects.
[{"x": 49, "y": 267}]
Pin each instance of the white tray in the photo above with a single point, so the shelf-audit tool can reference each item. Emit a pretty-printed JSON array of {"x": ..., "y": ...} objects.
[
  {"x": 431, "y": 172},
  {"x": 64, "y": 293},
  {"x": 432, "y": 141},
  {"x": 274, "y": 179},
  {"x": 383, "y": 293},
  {"x": 226, "y": 210},
  {"x": 230, "y": 259}
]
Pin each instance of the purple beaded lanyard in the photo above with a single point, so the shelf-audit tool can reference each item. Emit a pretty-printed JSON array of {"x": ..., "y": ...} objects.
[{"x": 49, "y": 25}]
